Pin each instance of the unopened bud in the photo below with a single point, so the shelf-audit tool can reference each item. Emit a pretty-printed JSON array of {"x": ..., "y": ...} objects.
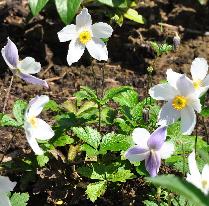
[
  {"x": 176, "y": 41},
  {"x": 150, "y": 69},
  {"x": 145, "y": 114}
]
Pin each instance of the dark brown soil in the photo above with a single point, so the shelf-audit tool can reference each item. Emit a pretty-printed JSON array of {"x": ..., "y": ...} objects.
[{"x": 129, "y": 56}]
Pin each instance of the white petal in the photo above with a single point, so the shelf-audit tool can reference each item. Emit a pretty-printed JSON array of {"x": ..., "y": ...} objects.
[
  {"x": 188, "y": 120},
  {"x": 4, "y": 200},
  {"x": 83, "y": 19},
  {"x": 166, "y": 150},
  {"x": 205, "y": 172},
  {"x": 172, "y": 77},
  {"x": 75, "y": 51},
  {"x": 140, "y": 137},
  {"x": 67, "y": 33},
  {"x": 163, "y": 92},
  {"x": 199, "y": 69},
  {"x": 41, "y": 131},
  {"x": 97, "y": 49},
  {"x": 36, "y": 105},
  {"x": 201, "y": 91},
  {"x": 6, "y": 185},
  {"x": 206, "y": 81},
  {"x": 168, "y": 114},
  {"x": 136, "y": 156},
  {"x": 193, "y": 169},
  {"x": 185, "y": 86},
  {"x": 29, "y": 66},
  {"x": 194, "y": 102},
  {"x": 101, "y": 30}
]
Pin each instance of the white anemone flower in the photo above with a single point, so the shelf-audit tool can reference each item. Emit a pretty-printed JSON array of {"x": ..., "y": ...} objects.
[
  {"x": 5, "y": 186},
  {"x": 194, "y": 176},
  {"x": 84, "y": 34},
  {"x": 36, "y": 128},
  {"x": 182, "y": 101}
]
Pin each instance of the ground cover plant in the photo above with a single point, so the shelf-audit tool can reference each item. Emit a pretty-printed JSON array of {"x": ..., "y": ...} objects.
[{"x": 70, "y": 141}]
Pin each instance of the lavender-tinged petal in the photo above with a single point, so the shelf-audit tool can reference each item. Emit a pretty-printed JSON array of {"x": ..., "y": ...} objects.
[
  {"x": 136, "y": 154},
  {"x": 157, "y": 138},
  {"x": 33, "y": 80},
  {"x": 10, "y": 54},
  {"x": 152, "y": 163}
]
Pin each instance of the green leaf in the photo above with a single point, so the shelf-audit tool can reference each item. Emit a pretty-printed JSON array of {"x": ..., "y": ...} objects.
[
  {"x": 19, "y": 199},
  {"x": 86, "y": 107},
  {"x": 123, "y": 125},
  {"x": 134, "y": 16},
  {"x": 88, "y": 135},
  {"x": 115, "y": 142},
  {"x": 181, "y": 187},
  {"x": 67, "y": 9},
  {"x": 52, "y": 105},
  {"x": 8, "y": 121},
  {"x": 116, "y": 3},
  {"x": 205, "y": 112},
  {"x": 108, "y": 115},
  {"x": 37, "y": 5},
  {"x": 113, "y": 92},
  {"x": 95, "y": 190},
  {"x": 42, "y": 160},
  {"x": 90, "y": 151},
  {"x": 62, "y": 140},
  {"x": 18, "y": 110}
]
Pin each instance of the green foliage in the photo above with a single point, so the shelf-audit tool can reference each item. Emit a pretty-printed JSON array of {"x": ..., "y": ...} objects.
[
  {"x": 42, "y": 160},
  {"x": 160, "y": 49},
  {"x": 37, "y": 5},
  {"x": 116, "y": 3},
  {"x": 182, "y": 187},
  {"x": 52, "y": 105},
  {"x": 133, "y": 15},
  {"x": 61, "y": 140},
  {"x": 19, "y": 199}
]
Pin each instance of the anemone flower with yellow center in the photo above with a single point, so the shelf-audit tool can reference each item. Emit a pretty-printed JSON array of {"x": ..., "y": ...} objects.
[
  {"x": 36, "y": 128},
  {"x": 85, "y": 35},
  {"x": 182, "y": 101}
]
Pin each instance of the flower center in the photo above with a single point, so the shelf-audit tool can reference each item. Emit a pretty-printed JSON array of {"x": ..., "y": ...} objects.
[
  {"x": 85, "y": 37},
  {"x": 205, "y": 184},
  {"x": 33, "y": 121},
  {"x": 179, "y": 102},
  {"x": 197, "y": 84}
]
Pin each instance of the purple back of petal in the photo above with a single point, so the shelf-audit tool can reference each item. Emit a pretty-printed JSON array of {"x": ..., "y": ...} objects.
[
  {"x": 157, "y": 138},
  {"x": 33, "y": 80},
  {"x": 134, "y": 151},
  {"x": 152, "y": 163},
  {"x": 11, "y": 53}
]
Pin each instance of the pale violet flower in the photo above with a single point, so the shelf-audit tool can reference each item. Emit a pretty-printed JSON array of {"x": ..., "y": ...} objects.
[
  {"x": 85, "y": 35},
  {"x": 151, "y": 148},
  {"x": 200, "y": 77},
  {"x": 5, "y": 186},
  {"x": 182, "y": 101},
  {"x": 194, "y": 176},
  {"x": 22, "y": 68},
  {"x": 36, "y": 128}
]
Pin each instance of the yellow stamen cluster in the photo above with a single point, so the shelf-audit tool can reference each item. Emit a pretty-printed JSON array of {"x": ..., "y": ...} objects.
[
  {"x": 33, "y": 121},
  {"x": 179, "y": 102},
  {"x": 205, "y": 184},
  {"x": 85, "y": 37},
  {"x": 197, "y": 84}
]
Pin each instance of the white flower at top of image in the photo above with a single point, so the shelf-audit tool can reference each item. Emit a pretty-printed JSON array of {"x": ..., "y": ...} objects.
[
  {"x": 200, "y": 180},
  {"x": 36, "y": 128},
  {"x": 182, "y": 101},
  {"x": 5, "y": 186},
  {"x": 22, "y": 68},
  {"x": 85, "y": 35}
]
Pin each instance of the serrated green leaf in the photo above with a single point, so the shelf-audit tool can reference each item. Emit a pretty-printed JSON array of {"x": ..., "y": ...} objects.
[
  {"x": 123, "y": 125},
  {"x": 67, "y": 9},
  {"x": 95, "y": 190},
  {"x": 108, "y": 115},
  {"x": 18, "y": 110},
  {"x": 133, "y": 15},
  {"x": 37, "y": 5},
  {"x": 52, "y": 105},
  {"x": 86, "y": 107},
  {"x": 62, "y": 140},
  {"x": 42, "y": 160},
  {"x": 115, "y": 142},
  {"x": 88, "y": 135},
  {"x": 205, "y": 112},
  {"x": 8, "y": 121},
  {"x": 19, "y": 199},
  {"x": 90, "y": 151},
  {"x": 182, "y": 187}
]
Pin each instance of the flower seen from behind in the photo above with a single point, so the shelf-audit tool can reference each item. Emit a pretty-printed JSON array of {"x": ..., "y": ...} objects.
[
  {"x": 22, "y": 68},
  {"x": 151, "y": 148},
  {"x": 36, "y": 128},
  {"x": 5, "y": 186},
  {"x": 182, "y": 101},
  {"x": 194, "y": 176},
  {"x": 85, "y": 35}
]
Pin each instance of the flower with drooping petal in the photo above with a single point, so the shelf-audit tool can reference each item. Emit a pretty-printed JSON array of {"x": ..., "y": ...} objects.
[
  {"x": 22, "y": 68},
  {"x": 182, "y": 101},
  {"x": 84, "y": 34},
  {"x": 36, "y": 128},
  {"x": 194, "y": 176},
  {"x": 5, "y": 186},
  {"x": 151, "y": 148}
]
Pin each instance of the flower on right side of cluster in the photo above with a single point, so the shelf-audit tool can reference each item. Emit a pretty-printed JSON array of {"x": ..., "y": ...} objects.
[
  {"x": 200, "y": 180},
  {"x": 5, "y": 186},
  {"x": 182, "y": 101}
]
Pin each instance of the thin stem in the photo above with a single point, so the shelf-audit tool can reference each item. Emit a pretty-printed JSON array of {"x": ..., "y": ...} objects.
[
  {"x": 103, "y": 79},
  {"x": 205, "y": 128},
  {"x": 182, "y": 147},
  {"x": 94, "y": 77},
  {"x": 7, "y": 94},
  {"x": 99, "y": 108},
  {"x": 196, "y": 135}
]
